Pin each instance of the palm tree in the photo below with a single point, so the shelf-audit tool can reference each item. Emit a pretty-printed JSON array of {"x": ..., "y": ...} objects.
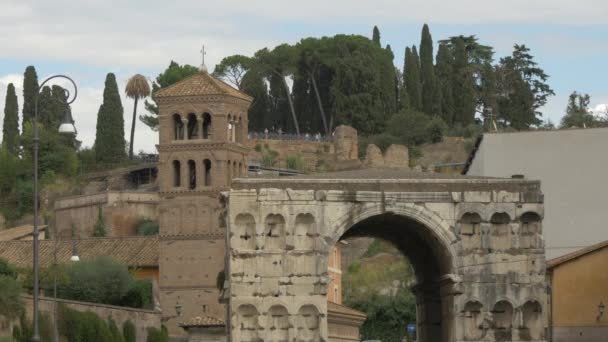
[{"x": 137, "y": 88}]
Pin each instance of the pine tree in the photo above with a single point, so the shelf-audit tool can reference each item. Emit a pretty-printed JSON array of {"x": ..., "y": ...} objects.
[
  {"x": 110, "y": 134},
  {"x": 427, "y": 73},
  {"x": 253, "y": 85},
  {"x": 463, "y": 90},
  {"x": 444, "y": 72},
  {"x": 10, "y": 128},
  {"x": 30, "y": 88},
  {"x": 376, "y": 36},
  {"x": 412, "y": 79}
]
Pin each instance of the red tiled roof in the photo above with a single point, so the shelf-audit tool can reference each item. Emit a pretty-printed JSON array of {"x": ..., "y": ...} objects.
[
  {"x": 202, "y": 321},
  {"x": 18, "y": 232},
  {"x": 201, "y": 83},
  {"x": 139, "y": 251}
]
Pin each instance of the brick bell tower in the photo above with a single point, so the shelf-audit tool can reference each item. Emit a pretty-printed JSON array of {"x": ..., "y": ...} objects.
[{"x": 203, "y": 131}]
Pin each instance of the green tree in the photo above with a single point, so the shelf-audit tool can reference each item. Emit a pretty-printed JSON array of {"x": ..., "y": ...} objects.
[
  {"x": 577, "y": 112},
  {"x": 114, "y": 332},
  {"x": 11, "y": 305},
  {"x": 444, "y": 72},
  {"x": 56, "y": 153},
  {"x": 376, "y": 36},
  {"x": 411, "y": 80},
  {"x": 10, "y": 128},
  {"x": 30, "y": 89},
  {"x": 427, "y": 73},
  {"x": 173, "y": 74},
  {"x": 463, "y": 89},
  {"x": 137, "y": 88},
  {"x": 233, "y": 69},
  {"x": 253, "y": 84},
  {"x": 409, "y": 126},
  {"x": 110, "y": 132},
  {"x": 129, "y": 332}
]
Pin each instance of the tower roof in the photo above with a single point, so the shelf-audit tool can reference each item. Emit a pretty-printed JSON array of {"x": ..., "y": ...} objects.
[{"x": 201, "y": 83}]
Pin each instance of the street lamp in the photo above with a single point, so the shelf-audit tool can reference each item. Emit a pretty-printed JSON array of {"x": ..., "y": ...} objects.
[{"x": 67, "y": 126}]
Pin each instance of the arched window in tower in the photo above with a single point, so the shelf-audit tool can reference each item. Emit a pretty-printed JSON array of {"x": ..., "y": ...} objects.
[
  {"x": 191, "y": 175},
  {"x": 229, "y": 126},
  {"x": 178, "y": 127},
  {"x": 241, "y": 169},
  {"x": 207, "y": 165},
  {"x": 235, "y": 171},
  {"x": 192, "y": 126},
  {"x": 206, "y": 125},
  {"x": 177, "y": 176}
]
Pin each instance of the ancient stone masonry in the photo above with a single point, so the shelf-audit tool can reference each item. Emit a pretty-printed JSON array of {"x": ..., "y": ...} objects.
[{"x": 475, "y": 245}]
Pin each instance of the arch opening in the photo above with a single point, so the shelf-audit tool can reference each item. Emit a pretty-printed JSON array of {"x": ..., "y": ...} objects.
[
  {"x": 192, "y": 126},
  {"x": 417, "y": 260},
  {"x": 207, "y": 166},
  {"x": 178, "y": 127},
  {"x": 191, "y": 175},
  {"x": 177, "y": 177},
  {"x": 206, "y": 125}
]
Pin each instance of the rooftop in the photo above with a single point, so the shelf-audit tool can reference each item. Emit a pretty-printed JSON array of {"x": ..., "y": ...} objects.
[
  {"x": 202, "y": 321},
  {"x": 201, "y": 83},
  {"x": 18, "y": 233},
  {"x": 140, "y": 251},
  {"x": 575, "y": 255}
]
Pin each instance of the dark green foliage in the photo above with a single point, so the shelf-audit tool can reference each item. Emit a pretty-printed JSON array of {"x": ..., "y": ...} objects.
[
  {"x": 30, "y": 88},
  {"x": 110, "y": 131},
  {"x": 295, "y": 162},
  {"x": 382, "y": 140},
  {"x": 409, "y": 126},
  {"x": 129, "y": 332},
  {"x": 233, "y": 69},
  {"x": 463, "y": 89},
  {"x": 10, "y": 128},
  {"x": 147, "y": 227},
  {"x": 470, "y": 131},
  {"x": 253, "y": 85},
  {"x": 24, "y": 332},
  {"x": 444, "y": 71},
  {"x": 435, "y": 130},
  {"x": 376, "y": 36},
  {"x": 411, "y": 79},
  {"x": 99, "y": 230},
  {"x": 114, "y": 332},
  {"x": 577, "y": 113},
  {"x": 139, "y": 295},
  {"x": 79, "y": 326},
  {"x": 173, "y": 74},
  {"x": 7, "y": 270},
  {"x": 101, "y": 280},
  {"x": 156, "y": 335},
  {"x": 427, "y": 73},
  {"x": 11, "y": 305},
  {"x": 55, "y": 151}
]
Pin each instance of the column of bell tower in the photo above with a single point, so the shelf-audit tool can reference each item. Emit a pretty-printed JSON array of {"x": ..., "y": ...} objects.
[{"x": 192, "y": 173}]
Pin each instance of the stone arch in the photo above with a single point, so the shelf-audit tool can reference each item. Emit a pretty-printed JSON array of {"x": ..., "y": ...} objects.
[
  {"x": 473, "y": 320},
  {"x": 274, "y": 232},
  {"x": 207, "y": 172},
  {"x": 245, "y": 231},
  {"x": 308, "y": 324},
  {"x": 177, "y": 174},
  {"x": 305, "y": 231},
  {"x": 501, "y": 231},
  {"x": 192, "y": 128},
  {"x": 469, "y": 229},
  {"x": 206, "y": 125},
  {"x": 277, "y": 327},
  {"x": 191, "y": 174},
  {"x": 502, "y": 317},
  {"x": 178, "y": 127},
  {"x": 532, "y": 325},
  {"x": 248, "y": 324},
  {"x": 530, "y": 230}
]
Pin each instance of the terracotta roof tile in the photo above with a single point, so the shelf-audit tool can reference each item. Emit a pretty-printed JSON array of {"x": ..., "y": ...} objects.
[
  {"x": 132, "y": 251},
  {"x": 203, "y": 321},
  {"x": 201, "y": 83}
]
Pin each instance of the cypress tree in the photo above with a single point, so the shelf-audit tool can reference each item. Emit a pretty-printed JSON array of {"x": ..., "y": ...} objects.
[
  {"x": 427, "y": 72},
  {"x": 110, "y": 133},
  {"x": 412, "y": 78},
  {"x": 10, "y": 128},
  {"x": 46, "y": 107},
  {"x": 444, "y": 72},
  {"x": 376, "y": 36},
  {"x": 463, "y": 90},
  {"x": 30, "y": 87}
]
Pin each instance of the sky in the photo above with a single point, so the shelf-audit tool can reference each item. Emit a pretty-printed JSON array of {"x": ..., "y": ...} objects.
[{"x": 86, "y": 39}]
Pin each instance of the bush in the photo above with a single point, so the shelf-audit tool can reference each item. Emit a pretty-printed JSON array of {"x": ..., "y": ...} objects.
[
  {"x": 7, "y": 269},
  {"x": 11, "y": 305},
  {"x": 129, "y": 332},
  {"x": 114, "y": 332},
  {"x": 139, "y": 295},
  {"x": 147, "y": 227},
  {"x": 100, "y": 227},
  {"x": 383, "y": 141},
  {"x": 102, "y": 280},
  {"x": 77, "y": 326},
  {"x": 156, "y": 335},
  {"x": 295, "y": 162},
  {"x": 269, "y": 158},
  {"x": 435, "y": 130},
  {"x": 409, "y": 126},
  {"x": 25, "y": 332},
  {"x": 469, "y": 131}
]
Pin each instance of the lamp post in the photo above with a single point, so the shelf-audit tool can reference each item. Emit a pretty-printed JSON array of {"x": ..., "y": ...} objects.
[{"x": 67, "y": 127}]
